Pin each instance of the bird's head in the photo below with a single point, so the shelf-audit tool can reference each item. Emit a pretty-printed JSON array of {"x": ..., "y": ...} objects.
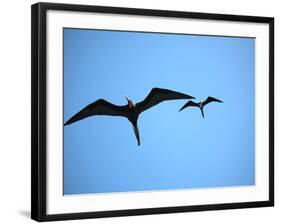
[{"x": 130, "y": 103}]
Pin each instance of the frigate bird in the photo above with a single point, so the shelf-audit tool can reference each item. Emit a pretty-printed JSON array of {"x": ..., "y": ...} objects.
[
  {"x": 201, "y": 105},
  {"x": 130, "y": 111}
]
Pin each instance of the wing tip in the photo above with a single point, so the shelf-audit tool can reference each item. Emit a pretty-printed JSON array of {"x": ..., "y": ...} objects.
[
  {"x": 70, "y": 121},
  {"x": 192, "y": 97},
  {"x": 67, "y": 123},
  {"x": 220, "y": 101},
  {"x": 186, "y": 96},
  {"x": 184, "y": 106}
]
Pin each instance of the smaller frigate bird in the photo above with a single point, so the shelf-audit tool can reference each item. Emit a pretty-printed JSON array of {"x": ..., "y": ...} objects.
[
  {"x": 130, "y": 111},
  {"x": 201, "y": 105}
]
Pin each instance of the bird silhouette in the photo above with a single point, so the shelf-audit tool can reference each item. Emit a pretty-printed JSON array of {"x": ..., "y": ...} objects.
[
  {"x": 130, "y": 111},
  {"x": 201, "y": 105}
]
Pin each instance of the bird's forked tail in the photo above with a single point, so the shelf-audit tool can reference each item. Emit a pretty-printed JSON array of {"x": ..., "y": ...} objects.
[
  {"x": 202, "y": 112},
  {"x": 136, "y": 131}
]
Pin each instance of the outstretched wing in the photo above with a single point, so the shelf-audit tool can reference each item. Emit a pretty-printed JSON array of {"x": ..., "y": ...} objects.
[
  {"x": 190, "y": 103},
  {"x": 211, "y": 99},
  {"x": 158, "y": 95},
  {"x": 99, "y": 107}
]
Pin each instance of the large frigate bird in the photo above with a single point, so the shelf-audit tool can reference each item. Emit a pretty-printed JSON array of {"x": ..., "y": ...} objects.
[
  {"x": 131, "y": 111},
  {"x": 201, "y": 105}
]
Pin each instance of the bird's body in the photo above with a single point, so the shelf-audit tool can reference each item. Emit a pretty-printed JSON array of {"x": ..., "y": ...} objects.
[
  {"x": 131, "y": 111},
  {"x": 133, "y": 118},
  {"x": 200, "y": 104}
]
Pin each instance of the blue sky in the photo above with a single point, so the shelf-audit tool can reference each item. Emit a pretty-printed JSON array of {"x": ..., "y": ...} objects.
[{"x": 178, "y": 150}]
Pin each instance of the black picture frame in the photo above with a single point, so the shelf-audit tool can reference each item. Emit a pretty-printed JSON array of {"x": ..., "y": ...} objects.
[{"x": 38, "y": 108}]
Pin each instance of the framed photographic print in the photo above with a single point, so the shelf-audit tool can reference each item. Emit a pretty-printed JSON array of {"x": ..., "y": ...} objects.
[{"x": 139, "y": 111}]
